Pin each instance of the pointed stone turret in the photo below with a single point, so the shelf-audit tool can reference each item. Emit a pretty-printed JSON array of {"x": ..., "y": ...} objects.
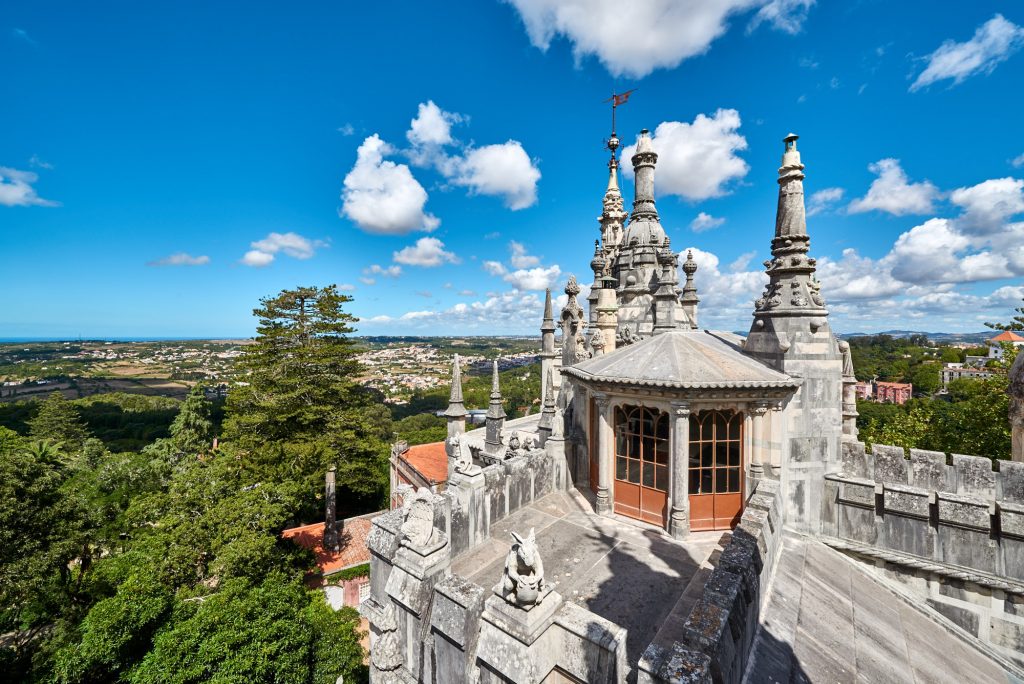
[
  {"x": 495, "y": 416},
  {"x": 791, "y": 333},
  {"x": 613, "y": 214},
  {"x": 547, "y": 343},
  {"x": 689, "y": 296},
  {"x": 644, "y": 160},
  {"x": 666, "y": 298},
  {"x": 456, "y": 412},
  {"x": 573, "y": 325}
]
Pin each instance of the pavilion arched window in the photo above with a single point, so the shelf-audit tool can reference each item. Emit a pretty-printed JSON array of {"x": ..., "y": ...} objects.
[
  {"x": 642, "y": 446},
  {"x": 715, "y": 448}
]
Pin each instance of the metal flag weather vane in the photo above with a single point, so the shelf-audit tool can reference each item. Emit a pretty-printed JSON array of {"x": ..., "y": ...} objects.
[{"x": 616, "y": 99}]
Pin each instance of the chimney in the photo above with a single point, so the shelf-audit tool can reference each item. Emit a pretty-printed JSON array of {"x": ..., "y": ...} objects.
[{"x": 331, "y": 542}]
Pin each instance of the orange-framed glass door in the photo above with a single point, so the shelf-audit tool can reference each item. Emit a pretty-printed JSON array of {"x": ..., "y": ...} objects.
[
  {"x": 641, "y": 463},
  {"x": 716, "y": 470}
]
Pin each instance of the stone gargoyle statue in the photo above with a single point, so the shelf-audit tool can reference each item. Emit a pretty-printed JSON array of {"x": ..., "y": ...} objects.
[
  {"x": 523, "y": 580},
  {"x": 418, "y": 527},
  {"x": 463, "y": 457}
]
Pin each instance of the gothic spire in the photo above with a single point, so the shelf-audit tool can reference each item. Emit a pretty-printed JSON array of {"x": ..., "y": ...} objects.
[
  {"x": 495, "y": 409},
  {"x": 549, "y": 317},
  {"x": 456, "y": 408}
]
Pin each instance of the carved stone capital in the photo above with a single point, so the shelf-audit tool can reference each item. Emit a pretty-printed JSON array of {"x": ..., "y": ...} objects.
[
  {"x": 603, "y": 400},
  {"x": 681, "y": 409},
  {"x": 760, "y": 408}
]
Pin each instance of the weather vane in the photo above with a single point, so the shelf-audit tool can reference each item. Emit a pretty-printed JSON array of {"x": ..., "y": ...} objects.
[{"x": 616, "y": 100}]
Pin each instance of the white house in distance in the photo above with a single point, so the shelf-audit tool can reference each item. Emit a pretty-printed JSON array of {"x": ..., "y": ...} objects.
[{"x": 995, "y": 347}]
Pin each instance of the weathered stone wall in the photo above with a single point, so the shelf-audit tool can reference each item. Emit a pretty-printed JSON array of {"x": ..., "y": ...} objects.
[
  {"x": 950, "y": 529},
  {"x": 718, "y": 634},
  {"x": 442, "y": 630}
]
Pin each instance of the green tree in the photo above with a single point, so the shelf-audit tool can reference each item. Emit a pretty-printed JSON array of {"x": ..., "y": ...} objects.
[
  {"x": 192, "y": 429},
  {"x": 926, "y": 378},
  {"x": 58, "y": 420},
  {"x": 302, "y": 399},
  {"x": 906, "y": 428},
  {"x": 951, "y": 355}
]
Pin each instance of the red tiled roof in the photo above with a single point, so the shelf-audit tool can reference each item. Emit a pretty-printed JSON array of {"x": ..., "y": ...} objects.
[
  {"x": 353, "y": 544},
  {"x": 429, "y": 460},
  {"x": 1007, "y": 336}
]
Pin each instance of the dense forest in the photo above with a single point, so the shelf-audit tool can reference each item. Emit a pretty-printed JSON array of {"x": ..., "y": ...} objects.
[{"x": 132, "y": 550}]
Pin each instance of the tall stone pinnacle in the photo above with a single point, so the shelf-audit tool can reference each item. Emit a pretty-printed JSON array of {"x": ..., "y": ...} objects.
[
  {"x": 689, "y": 296},
  {"x": 456, "y": 408},
  {"x": 644, "y": 161},
  {"x": 792, "y": 289},
  {"x": 549, "y": 316},
  {"x": 495, "y": 409}
]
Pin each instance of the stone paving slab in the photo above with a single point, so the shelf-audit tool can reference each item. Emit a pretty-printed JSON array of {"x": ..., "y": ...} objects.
[{"x": 828, "y": 620}]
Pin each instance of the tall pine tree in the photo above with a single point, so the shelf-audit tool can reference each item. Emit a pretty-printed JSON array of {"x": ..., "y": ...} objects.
[
  {"x": 302, "y": 408},
  {"x": 192, "y": 429},
  {"x": 58, "y": 421}
]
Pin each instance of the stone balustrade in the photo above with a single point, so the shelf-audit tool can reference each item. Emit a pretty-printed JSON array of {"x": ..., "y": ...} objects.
[{"x": 719, "y": 633}]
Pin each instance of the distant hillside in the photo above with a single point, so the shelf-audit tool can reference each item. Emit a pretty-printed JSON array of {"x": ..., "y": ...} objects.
[{"x": 947, "y": 338}]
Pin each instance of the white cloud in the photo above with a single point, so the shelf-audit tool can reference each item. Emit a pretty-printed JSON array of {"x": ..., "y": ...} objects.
[
  {"x": 993, "y": 42},
  {"x": 635, "y": 38},
  {"x": 785, "y": 15},
  {"x": 181, "y": 259},
  {"x": 697, "y": 160},
  {"x": 392, "y": 271},
  {"x": 823, "y": 200},
  {"x": 432, "y": 125},
  {"x": 257, "y": 259},
  {"x": 467, "y": 293},
  {"x": 520, "y": 258},
  {"x": 37, "y": 163},
  {"x": 495, "y": 268},
  {"x": 347, "y": 130},
  {"x": 538, "y": 278},
  {"x": 347, "y": 287},
  {"x": 1017, "y": 161},
  {"x": 503, "y": 170},
  {"x": 891, "y": 192},
  {"x": 725, "y": 298},
  {"x": 367, "y": 281},
  {"x": 989, "y": 204},
  {"x": 383, "y": 197},
  {"x": 294, "y": 245},
  {"x": 427, "y": 252},
  {"x": 16, "y": 189},
  {"x": 705, "y": 221}
]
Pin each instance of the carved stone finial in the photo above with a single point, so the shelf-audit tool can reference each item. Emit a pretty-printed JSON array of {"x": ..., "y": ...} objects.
[
  {"x": 386, "y": 655},
  {"x": 523, "y": 579},
  {"x": 418, "y": 527}
]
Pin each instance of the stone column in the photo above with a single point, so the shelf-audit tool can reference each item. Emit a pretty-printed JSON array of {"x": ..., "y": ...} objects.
[
  {"x": 605, "y": 448},
  {"x": 679, "y": 519},
  {"x": 760, "y": 439}
]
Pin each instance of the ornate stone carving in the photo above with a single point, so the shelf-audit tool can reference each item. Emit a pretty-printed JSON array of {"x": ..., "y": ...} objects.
[
  {"x": 418, "y": 527},
  {"x": 386, "y": 654},
  {"x": 463, "y": 457},
  {"x": 523, "y": 580},
  {"x": 597, "y": 342},
  {"x": 626, "y": 336}
]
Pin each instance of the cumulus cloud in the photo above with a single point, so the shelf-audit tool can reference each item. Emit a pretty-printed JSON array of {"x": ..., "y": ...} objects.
[
  {"x": 347, "y": 287},
  {"x": 294, "y": 245},
  {"x": 514, "y": 312},
  {"x": 16, "y": 189},
  {"x": 993, "y": 42},
  {"x": 705, "y": 221},
  {"x": 347, "y": 130},
  {"x": 520, "y": 258},
  {"x": 432, "y": 125},
  {"x": 538, "y": 278},
  {"x": 503, "y": 170},
  {"x": 672, "y": 31},
  {"x": 893, "y": 193},
  {"x": 495, "y": 268},
  {"x": 697, "y": 160},
  {"x": 427, "y": 252},
  {"x": 180, "y": 259},
  {"x": 823, "y": 200},
  {"x": 1018, "y": 161},
  {"x": 725, "y": 298},
  {"x": 987, "y": 205},
  {"x": 392, "y": 271},
  {"x": 383, "y": 197}
]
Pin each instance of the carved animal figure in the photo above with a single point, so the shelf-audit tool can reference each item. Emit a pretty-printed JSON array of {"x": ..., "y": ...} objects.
[{"x": 524, "y": 572}]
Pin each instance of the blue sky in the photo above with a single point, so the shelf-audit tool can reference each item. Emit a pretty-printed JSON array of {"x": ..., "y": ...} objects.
[{"x": 165, "y": 165}]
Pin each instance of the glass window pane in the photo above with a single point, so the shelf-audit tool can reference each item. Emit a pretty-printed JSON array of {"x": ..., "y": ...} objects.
[
  {"x": 721, "y": 453},
  {"x": 734, "y": 426},
  {"x": 734, "y": 479},
  {"x": 648, "y": 423},
  {"x": 620, "y": 468},
  {"x": 694, "y": 454},
  {"x": 661, "y": 478},
  {"x": 648, "y": 475},
  {"x": 695, "y": 482},
  {"x": 648, "y": 453},
  {"x": 707, "y": 422},
  {"x": 634, "y": 471},
  {"x": 721, "y": 481},
  {"x": 707, "y": 451},
  {"x": 620, "y": 442},
  {"x": 694, "y": 427},
  {"x": 734, "y": 453},
  {"x": 634, "y": 446},
  {"x": 661, "y": 429},
  {"x": 721, "y": 428},
  {"x": 706, "y": 486},
  {"x": 661, "y": 451}
]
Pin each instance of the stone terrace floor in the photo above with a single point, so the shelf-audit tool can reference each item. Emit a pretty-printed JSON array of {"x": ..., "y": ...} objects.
[
  {"x": 631, "y": 574},
  {"x": 829, "y": 620}
]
